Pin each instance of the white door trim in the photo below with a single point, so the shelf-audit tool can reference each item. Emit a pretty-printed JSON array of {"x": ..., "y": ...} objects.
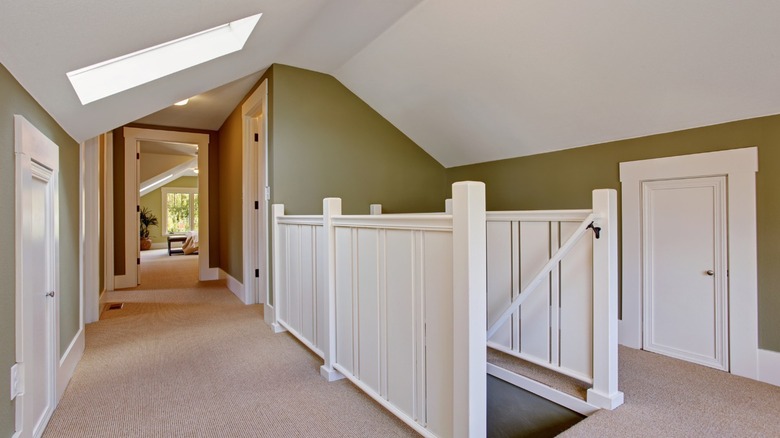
[
  {"x": 740, "y": 167},
  {"x": 255, "y": 181},
  {"x": 32, "y": 145},
  {"x": 108, "y": 211},
  {"x": 132, "y": 137}
]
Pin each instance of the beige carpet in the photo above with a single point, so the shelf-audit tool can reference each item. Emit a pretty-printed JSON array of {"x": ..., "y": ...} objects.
[
  {"x": 666, "y": 397},
  {"x": 187, "y": 359}
]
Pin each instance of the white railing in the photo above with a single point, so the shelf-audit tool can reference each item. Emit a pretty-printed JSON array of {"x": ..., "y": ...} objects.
[
  {"x": 399, "y": 304},
  {"x": 552, "y": 292},
  {"x": 395, "y": 285},
  {"x": 300, "y": 288}
]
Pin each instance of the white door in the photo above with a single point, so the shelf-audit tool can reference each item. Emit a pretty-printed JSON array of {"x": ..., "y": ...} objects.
[
  {"x": 37, "y": 160},
  {"x": 685, "y": 269}
]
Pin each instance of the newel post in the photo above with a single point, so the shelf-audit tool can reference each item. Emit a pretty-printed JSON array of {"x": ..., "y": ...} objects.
[
  {"x": 272, "y": 317},
  {"x": 469, "y": 257},
  {"x": 330, "y": 207},
  {"x": 604, "y": 392}
]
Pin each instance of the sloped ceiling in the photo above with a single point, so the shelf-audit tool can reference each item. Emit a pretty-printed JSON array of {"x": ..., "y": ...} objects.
[
  {"x": 480, "y": 81},
  {"x": 42, "y": 40},
  {"x": 467, "y": 81}
]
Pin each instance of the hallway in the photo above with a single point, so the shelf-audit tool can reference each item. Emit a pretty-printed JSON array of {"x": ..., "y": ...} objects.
[{"x": 187, "y": 358}]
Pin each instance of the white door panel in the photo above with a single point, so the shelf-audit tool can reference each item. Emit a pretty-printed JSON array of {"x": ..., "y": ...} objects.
[{"x": 685, "y": 269}]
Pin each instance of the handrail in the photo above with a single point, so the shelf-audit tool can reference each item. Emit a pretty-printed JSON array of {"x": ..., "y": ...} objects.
[
  {"x": 431, "y": 222},
  {"x": 554, "y": 260},
  {"x": 315, "y": 220},
  {"x": 538, "y": 215}
]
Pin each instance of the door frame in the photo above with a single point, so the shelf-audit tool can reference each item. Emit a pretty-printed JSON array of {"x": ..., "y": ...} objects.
[
  {"x": 30, "y": 144},
  {"x": 132, "y": 136},
  {"x": 255, "y": 187},
  {"x": 740, "y": 167},
  {"x": 719, "y": 266}
]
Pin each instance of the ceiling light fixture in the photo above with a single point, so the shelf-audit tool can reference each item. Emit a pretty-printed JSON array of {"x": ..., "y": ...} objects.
[
  {"x": 110, "y": 77},
  {"x": 182, "y": 102}
]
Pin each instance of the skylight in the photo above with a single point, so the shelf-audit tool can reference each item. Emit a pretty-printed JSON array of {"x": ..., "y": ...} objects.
[{"x": 125, "y": 72}]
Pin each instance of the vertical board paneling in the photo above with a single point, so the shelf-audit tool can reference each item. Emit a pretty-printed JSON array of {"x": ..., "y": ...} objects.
[
  {"x": 499, "y": 278},
  {"x": 294, "y": 278},
  {"x": 368, "y": 307},
  {"x": 400, "y": 320},
  {"x": 576, "y": 351},
  {"x": 306, "y": 253},
  {"x": 437, "y": 284},
  {"x": 322, "y": 288},
  {"x": 283, "y": 270},
  {"x": 535, "y": 311},
  {"x": 344, "y": 317}
]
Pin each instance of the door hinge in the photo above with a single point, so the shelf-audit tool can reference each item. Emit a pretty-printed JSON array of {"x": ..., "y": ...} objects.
[
  {"x": 137, "y": 155},
  {"x": 16, "y": 380},
  {"x": 257, "y": 137},
  {"x": 257, "y": 205},
  {"x": 257, "y": 273},
  {"x": 138, "y": 261},
  {"x": 267, "y": 193},
  {"x": 137, "y": 208}
]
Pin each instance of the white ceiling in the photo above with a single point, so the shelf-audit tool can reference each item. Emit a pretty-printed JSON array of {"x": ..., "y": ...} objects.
[{"x": 467, "y": 81}]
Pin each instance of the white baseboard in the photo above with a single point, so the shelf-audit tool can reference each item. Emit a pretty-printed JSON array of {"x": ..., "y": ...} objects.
[
  {"x": 211, "y": 274},
  {"x": 234, "y": 285},
  {"x": 70, "y": 359},
  {"x": 769, "y": 367}
]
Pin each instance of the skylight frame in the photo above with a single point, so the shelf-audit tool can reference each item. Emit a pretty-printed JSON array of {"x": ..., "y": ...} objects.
[{"x": 125, "y": 72}]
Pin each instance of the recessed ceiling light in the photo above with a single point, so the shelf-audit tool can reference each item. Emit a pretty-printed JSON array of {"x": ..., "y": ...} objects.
[
  {"x": 110, "y": 77},
  {"x": 182, "y": 102}
]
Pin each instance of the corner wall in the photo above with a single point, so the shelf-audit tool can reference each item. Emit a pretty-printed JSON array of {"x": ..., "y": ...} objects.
[
  {"x": 324, "y": 141},
  {"x": 15, "y": 100},
  {"x": 566, "y": 178}
]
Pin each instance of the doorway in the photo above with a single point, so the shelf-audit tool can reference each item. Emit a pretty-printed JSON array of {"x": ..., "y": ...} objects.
[
  {"x": 721, "y": 184},
  {"x": 37, "y": 164},
  {"x": 684, "y": 269},
  {"x": 132, "y": 189},
  {"x": 256, "y": 194}
]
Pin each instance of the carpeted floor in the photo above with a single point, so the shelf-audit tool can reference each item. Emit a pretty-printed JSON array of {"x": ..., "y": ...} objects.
[
  {"x": 188, "y": 359},
  {"x": 666, "y": 397},
  {"x": 184, "y": 358}
]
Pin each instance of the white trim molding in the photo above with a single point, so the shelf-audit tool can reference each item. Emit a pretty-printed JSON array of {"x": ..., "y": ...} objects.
[
  {"x": 71, "y": 358},
  {"x": 233, "y": 285},
  {"x": 769, "y": 367},
  {"x": 740, "y": 167},
  {"x": 255, "y": 188},
  {"x": 132, "y": 137}
]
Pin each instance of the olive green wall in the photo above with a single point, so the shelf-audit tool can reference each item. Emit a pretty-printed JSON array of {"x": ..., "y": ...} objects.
[
  {"x": 565, "y": 179},
  {"x": 15, "y": 100},
  {"x": 325, "y": 142},
  {"x": 153, "y": 201},
  {"x": 329, "y": 143},
  {"x": 230, "y": 181}
]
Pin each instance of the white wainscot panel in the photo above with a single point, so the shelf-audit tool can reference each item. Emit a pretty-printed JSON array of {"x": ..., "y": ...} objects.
[
  {"x": 307, "y": 315},
  {"x": 368, "y": 307},
  {"x": 576, "y": 335},
  {"x": 344, "y": 299},
  {"x": 400, "y": 311},
  {"x": 294, "y": 278},
  {"x": 437, "y": 289},
  {"x": 535, "y": 311},
  {"x": 322, "y": 289},
  {"x": 499, "y": 278}
]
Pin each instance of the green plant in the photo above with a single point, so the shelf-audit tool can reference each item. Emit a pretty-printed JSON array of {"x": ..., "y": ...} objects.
[{"x": 148, "y": 219}]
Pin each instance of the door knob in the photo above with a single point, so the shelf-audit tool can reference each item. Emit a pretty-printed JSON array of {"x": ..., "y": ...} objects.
[{"x": 710, "y": 272}]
